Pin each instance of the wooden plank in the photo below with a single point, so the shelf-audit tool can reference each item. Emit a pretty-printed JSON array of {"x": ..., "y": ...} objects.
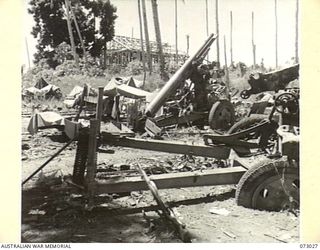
[
  {"x": 220, "y": 176},
  {"x": 174, "y": 147},
  {"x": 99, "y": 108},
  {"x": 92, "y": 158}
]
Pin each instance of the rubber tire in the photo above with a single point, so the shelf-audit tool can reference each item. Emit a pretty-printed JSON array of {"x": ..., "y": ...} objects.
[
  {"x": 247, "y": 122},
  {"x": 251, "y": 179},
  {"x": 215, "y": 122}
]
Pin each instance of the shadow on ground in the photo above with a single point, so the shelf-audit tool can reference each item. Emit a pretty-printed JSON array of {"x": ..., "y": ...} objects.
[{"x": 53, "y": 216}]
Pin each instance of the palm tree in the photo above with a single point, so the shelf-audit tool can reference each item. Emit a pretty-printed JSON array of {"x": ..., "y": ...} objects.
[
  {"x": 207, "y": 24},
  {"x": 297, "y": 28},
  {"x": 141, "y": 40},
  {"x": 217, "y": 30},
  {"x": 146, "y": 33},
  {"x": 176, "y": 26},
  {"x": 158, "y": 38},
  {"x": 276, "y": 35},
  {"x": 252, "y": 40}
]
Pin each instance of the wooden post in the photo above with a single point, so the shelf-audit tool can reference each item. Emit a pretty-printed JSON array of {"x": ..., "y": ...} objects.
[
  {"x": 217, "y": 30},
  {"x": 92, "y": 160},
  {"x": 143, "y": 57},
  {"x": 99, "y": 110},
  {"x": 226, "y": 64},
  {"x": 297, "y": 33},
  {"x": 231, "y": 30},
  {"x": 73, "y": 47},
  {"x": 252, "y": 41},
  {"x": 276, "y": 31}
]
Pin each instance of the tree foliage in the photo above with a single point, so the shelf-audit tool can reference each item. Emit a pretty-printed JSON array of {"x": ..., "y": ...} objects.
[{"x": 51, "y": 26}]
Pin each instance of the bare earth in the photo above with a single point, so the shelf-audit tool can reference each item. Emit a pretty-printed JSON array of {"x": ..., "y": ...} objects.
[{"x": 51, "y": 212}]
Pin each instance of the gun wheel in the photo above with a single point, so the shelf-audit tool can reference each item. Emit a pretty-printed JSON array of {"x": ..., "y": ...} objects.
[
  {"x": 222, "y": 115},
  {"x": 272, "y": 186}
]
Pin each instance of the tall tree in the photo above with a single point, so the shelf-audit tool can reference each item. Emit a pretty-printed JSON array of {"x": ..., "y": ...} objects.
[
  {"x": 73, "y": 47},
  {"x": 51, "y": 27},
  {"x": 141, "y": 41},
  {"x": 176, "y": 27},
  {"x": 226, "y": 64},
  {"x": 231, "y": 38},
  {"x": 276, "y": 29},
  {"x": 217, "y": 30},
  {"x": 158, "y": 38},
  {"x": 252, "y": 41},
  {"x": 146, "y": 34},
  {"x": 74, "y": 18},
  {"x": 207, "y": 24},
  {"x": 297, "y": 34},
  {"x": 106, "y": 13}
]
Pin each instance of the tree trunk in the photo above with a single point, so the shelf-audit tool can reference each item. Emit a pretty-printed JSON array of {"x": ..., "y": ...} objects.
[
  {"x": 158, "y": 38},
  {"x": 207, "y": 24},
  {"x": 231, "y": 42},
  {"x": 297, "y": 34},
  {"x": 105, "y": 56},
  {"x": 226, "y": 64},
  {"x": 73, "y": 47},
  {"x": 146, "y": 33},
  {"x": 78, "y": 31},
  {"x": 176, "y": 27},
  {"x": 217, "y": 30},
  {"x": 188, "y": 38},
  {"x": 252, "y": 41},
  {"x": 276, "y": 35},
  {"x": 141, "y": 41}
]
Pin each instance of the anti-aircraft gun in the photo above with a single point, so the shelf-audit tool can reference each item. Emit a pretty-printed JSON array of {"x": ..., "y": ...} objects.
[{"x": 202, "y": 95}]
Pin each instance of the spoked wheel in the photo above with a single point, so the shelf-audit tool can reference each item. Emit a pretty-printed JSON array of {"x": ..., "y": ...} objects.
[
  {"x": 221, "y": 115},
  {"x": 272, "y": 186}
]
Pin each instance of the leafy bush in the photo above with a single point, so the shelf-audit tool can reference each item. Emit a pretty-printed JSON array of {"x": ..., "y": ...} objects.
[{"x": 134, "y": 67}]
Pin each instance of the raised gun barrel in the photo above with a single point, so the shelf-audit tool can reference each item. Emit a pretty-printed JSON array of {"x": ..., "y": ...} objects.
[{"x": 182, "y": 74}]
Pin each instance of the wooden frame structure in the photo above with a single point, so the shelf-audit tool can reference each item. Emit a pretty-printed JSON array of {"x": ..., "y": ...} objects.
[{"x": 122, "y": 50}]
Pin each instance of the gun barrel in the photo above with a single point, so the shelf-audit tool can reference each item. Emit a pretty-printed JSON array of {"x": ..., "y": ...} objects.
[{"x": 180, "y": 75}]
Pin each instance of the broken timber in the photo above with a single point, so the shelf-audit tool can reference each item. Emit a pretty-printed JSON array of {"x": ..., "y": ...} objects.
[
  {"x": 219, "y": 176},
  {"x": 167, "y": 212},
  {"x": 218, "y": 152}
]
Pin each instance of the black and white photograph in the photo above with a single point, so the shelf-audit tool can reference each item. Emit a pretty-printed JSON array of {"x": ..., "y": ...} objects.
[{"x": 160, "y": 121}]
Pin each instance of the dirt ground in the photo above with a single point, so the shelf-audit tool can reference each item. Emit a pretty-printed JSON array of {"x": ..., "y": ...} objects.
[{"x": 52, "y": 212}]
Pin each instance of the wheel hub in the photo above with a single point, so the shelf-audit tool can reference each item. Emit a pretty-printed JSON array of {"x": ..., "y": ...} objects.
[{"x": 277, "y": 193}]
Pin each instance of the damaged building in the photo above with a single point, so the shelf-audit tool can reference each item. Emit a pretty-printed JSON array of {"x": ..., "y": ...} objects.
[{"x": 122, "y": 50}]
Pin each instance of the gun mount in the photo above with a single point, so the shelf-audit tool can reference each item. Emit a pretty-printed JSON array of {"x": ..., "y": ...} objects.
[
  {"x": 272, "y": 81},
  {"x": 192, "y": 95},
  {"x": 181, "y": 75}
]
